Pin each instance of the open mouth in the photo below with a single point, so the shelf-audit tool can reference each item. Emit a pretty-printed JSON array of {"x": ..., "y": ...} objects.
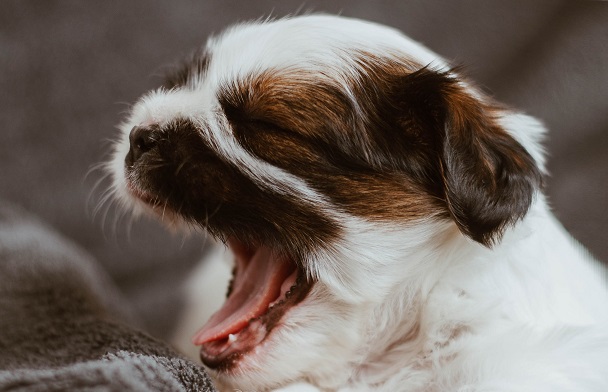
[
  {"x": 263, "y": 288},
  {"x": 265, "y": 285}
]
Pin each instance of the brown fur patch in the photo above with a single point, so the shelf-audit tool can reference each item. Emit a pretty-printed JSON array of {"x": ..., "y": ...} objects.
[
  {"x": 409, "y": 145},
  {"x": 188, "y": 177},
  {"x": 313, "y": 130}
]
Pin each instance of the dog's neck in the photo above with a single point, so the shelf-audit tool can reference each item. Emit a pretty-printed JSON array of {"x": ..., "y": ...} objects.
[
  {"x": 395, "y": 330},
  {"x": 430, "y": 308}
]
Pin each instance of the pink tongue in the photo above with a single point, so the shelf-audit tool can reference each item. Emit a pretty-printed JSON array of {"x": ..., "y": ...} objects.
[{"x": 258, "y": 283}]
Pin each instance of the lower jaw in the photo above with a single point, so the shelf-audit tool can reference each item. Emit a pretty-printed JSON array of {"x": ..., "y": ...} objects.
[{"x": 223, "y": 356}]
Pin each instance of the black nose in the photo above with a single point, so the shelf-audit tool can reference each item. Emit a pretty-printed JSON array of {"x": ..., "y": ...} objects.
[{"x": 142, "y": 139}]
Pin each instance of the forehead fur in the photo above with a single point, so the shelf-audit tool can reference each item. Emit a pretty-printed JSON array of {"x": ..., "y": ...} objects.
[{"x": 315, "y": 43}]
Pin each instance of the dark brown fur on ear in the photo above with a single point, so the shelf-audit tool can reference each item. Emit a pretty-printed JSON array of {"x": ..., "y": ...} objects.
[
  {"x": 188, "y": 70},
  {"x": 488, "y": 178}
]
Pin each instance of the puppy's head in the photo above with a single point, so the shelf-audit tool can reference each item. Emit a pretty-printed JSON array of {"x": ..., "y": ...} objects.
[{"x": 334, "y": 157}]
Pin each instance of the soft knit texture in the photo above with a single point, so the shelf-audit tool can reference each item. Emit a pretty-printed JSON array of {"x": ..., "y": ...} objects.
[{"x": 64, "y": 327}]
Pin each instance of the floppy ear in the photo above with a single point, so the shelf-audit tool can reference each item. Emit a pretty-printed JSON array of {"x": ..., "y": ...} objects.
[{"x": 488, "y": 179}]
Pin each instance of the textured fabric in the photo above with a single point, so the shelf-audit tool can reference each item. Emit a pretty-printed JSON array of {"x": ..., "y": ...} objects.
[{"x": 64, "y": 327}]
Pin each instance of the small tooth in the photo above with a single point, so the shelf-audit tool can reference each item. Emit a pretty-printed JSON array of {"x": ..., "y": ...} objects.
[{"x": 231, "y": 337}]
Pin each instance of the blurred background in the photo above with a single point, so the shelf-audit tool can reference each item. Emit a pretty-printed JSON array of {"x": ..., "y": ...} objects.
[{"x": 69, "y": 69}]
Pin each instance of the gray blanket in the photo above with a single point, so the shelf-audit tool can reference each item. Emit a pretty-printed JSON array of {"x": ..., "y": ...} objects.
[{"x": 64, "y": 327}]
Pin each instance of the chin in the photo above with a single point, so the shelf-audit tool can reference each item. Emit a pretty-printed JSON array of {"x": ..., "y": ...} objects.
[{"x": 380, "y": 222}]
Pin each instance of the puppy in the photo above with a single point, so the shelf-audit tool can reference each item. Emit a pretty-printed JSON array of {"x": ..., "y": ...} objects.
[{"x": 384, "y": 219}]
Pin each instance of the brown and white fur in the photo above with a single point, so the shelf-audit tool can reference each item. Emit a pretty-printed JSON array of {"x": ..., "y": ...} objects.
[{"x": 407, "y": 204}]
